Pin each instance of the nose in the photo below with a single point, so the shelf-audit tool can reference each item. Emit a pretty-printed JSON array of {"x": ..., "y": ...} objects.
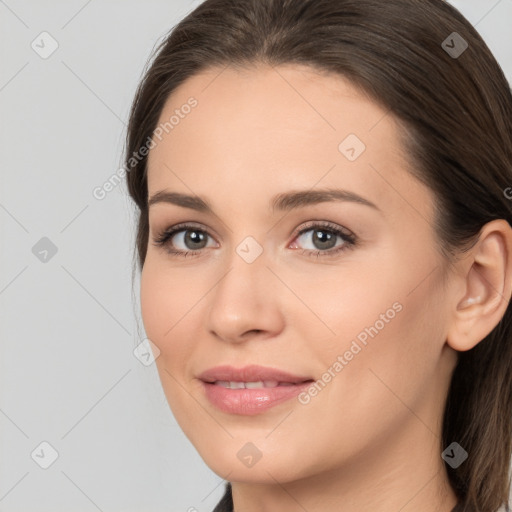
[{"x": 245, "y": 302}]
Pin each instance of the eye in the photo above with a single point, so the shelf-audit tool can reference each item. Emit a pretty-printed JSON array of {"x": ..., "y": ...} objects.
[
  {"x": 322, "y": 235},
  {"x": 191, "y": 238},
  {"x": 323, "y": 238}
]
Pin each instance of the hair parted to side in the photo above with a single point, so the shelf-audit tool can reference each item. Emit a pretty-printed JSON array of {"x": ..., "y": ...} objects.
[{"x": 456, "y": 115}]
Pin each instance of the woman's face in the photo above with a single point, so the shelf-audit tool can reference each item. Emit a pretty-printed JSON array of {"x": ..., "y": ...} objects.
[{"x": 343, "y": 290}]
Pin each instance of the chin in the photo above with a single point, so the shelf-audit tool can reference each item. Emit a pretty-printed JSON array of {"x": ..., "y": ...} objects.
[{"x": 243, "y": 462}]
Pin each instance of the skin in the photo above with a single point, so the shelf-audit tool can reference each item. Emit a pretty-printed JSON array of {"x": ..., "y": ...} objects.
[{"x": 370, "y": 439}]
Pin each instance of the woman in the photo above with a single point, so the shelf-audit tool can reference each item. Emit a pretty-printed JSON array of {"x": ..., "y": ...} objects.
[{"x": 326, "y": 251}]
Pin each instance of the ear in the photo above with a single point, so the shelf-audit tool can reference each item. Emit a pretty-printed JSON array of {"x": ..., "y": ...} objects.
[{"x": 486, "y": 287}]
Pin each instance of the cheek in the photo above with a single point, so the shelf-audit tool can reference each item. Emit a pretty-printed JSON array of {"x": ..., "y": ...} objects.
[
  {"x": 166, "y": 308},
  {"x": 400, "y": 340},
  {"x": 343, "y": 306},
  {"x": 170, "y": 305},
  {"x": 153, "y": 303},
  {"x": 395, "y": 365},
  {"x": 163, "y": 302},
  {"x": 163, "y": 296},
  {"x": 388, "y": 331}
]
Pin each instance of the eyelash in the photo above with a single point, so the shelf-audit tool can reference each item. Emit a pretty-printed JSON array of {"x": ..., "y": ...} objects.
[{"x": 349, "y": 239}]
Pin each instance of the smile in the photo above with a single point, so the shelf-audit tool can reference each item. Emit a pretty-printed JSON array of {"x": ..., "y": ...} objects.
[{"x": 251, "y": 385}]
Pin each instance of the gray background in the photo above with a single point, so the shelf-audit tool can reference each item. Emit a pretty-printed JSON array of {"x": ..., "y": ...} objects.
[{"x": 68, "y": 325}]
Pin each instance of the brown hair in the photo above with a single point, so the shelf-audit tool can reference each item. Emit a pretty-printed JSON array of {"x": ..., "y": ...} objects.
[{"x": 456, "y": 112}]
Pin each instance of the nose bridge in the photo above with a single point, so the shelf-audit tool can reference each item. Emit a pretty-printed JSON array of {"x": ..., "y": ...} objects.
[
  {"x": 246, "y": 275},
  {"x": 242, "y": 300}
]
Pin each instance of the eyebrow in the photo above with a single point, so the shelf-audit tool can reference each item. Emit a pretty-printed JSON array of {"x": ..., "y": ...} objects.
[{"x": 282, "y": 202}]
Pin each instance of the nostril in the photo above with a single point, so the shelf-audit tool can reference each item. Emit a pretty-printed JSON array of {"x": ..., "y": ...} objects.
[{"x": 253, "y": 331}]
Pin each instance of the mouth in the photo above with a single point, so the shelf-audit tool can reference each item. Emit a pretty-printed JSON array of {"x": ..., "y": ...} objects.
[
  {"x": 252, "y": 376},
  {"x": 253, "y": 385},
  {"x": 250, "y": 390}
]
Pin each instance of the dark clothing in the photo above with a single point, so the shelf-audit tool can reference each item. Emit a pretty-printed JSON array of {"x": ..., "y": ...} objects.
[{"x": 226, "y": 502}]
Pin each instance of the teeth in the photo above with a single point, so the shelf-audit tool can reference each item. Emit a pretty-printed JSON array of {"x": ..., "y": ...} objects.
[
  {"x": 254, "y": 385},
  {"x": 251, "y": 385}
]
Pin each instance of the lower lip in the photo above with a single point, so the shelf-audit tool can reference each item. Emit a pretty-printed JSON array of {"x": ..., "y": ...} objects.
[{"x": 250, "y": 401}]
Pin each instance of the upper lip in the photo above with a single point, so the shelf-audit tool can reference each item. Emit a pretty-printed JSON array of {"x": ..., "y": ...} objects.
[{"x": 252, "y": 373}]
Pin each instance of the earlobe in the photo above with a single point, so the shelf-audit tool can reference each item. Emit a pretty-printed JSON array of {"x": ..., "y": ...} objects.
[{"x": 487, "y": 283}]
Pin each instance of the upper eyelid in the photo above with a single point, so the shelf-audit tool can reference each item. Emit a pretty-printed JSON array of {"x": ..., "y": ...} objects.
[
  {"x": 327, "y": 225},
  {"x": 184, "y": 226}
]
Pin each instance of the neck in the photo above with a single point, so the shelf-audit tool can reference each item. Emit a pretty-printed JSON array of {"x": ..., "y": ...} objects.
[{"x": 408, "y": 475}]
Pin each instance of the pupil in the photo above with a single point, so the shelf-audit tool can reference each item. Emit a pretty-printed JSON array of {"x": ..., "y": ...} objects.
[
  {"x": 194, "y": 237},
  {"x": 322, "y": 239}
]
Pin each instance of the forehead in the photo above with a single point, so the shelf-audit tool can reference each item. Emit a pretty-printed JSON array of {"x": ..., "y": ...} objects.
[{"x": 288, "y": 127}]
